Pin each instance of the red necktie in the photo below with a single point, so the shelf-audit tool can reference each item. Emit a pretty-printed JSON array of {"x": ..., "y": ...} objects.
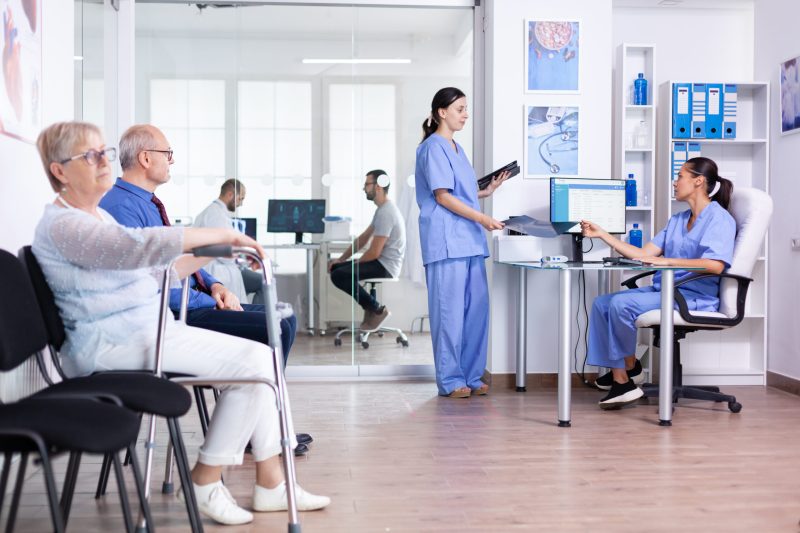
[{"x": 201, "y": 284}]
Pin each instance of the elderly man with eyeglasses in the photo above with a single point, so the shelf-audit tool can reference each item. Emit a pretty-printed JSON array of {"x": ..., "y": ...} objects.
[{"x": 145, "y": 156}]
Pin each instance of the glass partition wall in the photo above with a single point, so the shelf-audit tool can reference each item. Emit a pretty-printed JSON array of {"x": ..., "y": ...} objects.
[{"x": 298, "y": 103}]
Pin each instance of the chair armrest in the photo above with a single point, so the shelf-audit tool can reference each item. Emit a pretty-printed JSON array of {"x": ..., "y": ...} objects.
[
  {"x": 89, "y": 396},
  {"x": 741, "y": 296},
  {"x": 631, "y": 282}
]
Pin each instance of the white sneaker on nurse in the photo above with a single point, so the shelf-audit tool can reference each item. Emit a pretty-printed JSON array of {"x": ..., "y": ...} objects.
[
  {"x": 214, "y": 501},
  {"x": 266, "y": 500}
]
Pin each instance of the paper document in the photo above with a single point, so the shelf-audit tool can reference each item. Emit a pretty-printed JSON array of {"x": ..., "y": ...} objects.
[{"x": 538, "y": 228}]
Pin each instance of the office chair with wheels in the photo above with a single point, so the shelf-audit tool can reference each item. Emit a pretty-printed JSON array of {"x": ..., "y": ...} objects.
[
  {"x": 751, "y": 209},
  {"x": 56, "y": 419},
  {"x": 363, "y": 335}
]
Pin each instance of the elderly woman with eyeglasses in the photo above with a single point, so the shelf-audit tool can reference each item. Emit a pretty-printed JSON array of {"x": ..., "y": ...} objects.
[{"x": 105, "y": 281}]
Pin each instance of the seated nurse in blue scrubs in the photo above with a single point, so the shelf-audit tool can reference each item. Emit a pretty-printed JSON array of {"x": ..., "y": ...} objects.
[{"x": 701, "y": 236}]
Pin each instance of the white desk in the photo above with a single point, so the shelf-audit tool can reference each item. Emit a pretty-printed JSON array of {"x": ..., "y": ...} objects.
[
  {"x": 310, "y": 248},
  {"x": 565, "y": 330}
]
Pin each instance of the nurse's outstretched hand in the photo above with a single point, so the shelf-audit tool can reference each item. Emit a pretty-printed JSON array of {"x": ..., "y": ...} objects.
[
  {"x": 491, "y": 224},
  {"x": 590, "y": 229}
]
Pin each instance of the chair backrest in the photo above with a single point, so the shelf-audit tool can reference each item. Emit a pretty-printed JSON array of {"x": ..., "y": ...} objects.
[
  {"x": 56, "y": 335},
  {"x": 751, "y": 209},
  {"x": 22, "y": 333}
]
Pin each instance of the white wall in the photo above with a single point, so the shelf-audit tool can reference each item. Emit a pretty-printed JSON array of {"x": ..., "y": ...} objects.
[
  {"x": 505, "y": 139},
  {"x": 776, "y": 41},
  {"x": 24, "y": 189}
]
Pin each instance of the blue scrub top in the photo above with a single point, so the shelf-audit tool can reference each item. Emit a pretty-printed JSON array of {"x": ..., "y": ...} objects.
[
  {"x": 711, "y": 237},
  {"x": 444, "y": 234}
]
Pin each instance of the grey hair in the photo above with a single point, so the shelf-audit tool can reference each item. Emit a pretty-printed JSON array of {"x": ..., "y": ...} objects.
[
  {"x": 58, "y": 141},
  {"x": 135, "y": 140}
]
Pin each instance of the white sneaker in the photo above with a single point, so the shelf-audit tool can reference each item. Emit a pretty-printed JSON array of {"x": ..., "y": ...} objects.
[
  {"x": 214, "y": 501},
  {"x": 266, "y": 500}
]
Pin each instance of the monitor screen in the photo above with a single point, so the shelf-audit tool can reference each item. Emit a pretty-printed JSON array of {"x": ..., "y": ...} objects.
[
  {"x": 246, "y": 226},
  {"x": 296, "y": 216},
  {"x": 598, "y": 200}
]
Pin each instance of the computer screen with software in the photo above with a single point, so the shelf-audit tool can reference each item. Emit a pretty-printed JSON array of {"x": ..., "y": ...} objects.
[
  {"x": 296, "y": 216},
  {"x": 247, "y": 226},
  {"x": 601, "y": 201}
]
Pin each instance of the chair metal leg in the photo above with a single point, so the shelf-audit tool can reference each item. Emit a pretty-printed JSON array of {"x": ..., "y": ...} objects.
[
  {"x": 168, "y": 486},
  {"x": 12, "y": 512},
  {"x": 102, "y": 481},
  {"x": 52, "y": 495},
  {"x": 202, "y": 408},
  {"x": 185, "y": 475},
  {"x": 4, "y": 477},
  {"x": 123, "y": 493},
  {"x": 137, "y": 476},
  {"x": 70, "y": 480},
  {"x": 149, "y": 445}
]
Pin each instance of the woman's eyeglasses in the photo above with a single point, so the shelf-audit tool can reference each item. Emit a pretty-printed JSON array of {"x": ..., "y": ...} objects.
[{"x": 93, "y": 156}]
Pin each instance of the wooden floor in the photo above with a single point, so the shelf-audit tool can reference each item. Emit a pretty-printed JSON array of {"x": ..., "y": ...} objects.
[{"x": 395, "y": 457}]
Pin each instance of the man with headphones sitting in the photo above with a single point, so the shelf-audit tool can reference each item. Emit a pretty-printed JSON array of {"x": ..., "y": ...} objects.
[{"x": 382, "y": 259}]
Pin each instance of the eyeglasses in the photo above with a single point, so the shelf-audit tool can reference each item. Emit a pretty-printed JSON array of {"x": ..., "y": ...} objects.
[
  {"x": 168, "y": 153},
  {"x": 93, "y": 156}
]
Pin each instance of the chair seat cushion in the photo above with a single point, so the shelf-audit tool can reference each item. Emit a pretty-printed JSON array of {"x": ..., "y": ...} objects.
[
  {"x": 67, "y": 424},
  {"x": 653, "y": 318},
  {"x": 140, "y": 392}
]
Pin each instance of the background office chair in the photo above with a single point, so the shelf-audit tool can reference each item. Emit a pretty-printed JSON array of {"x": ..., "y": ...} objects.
[
  {"x": 751, "y": 209},
  {"x": 363, "y": 335}
]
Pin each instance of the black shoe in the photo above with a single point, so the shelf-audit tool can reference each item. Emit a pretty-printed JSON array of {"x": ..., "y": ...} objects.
[
  {"x": 621, "y": 394},
  {"x": 304, "y": 438},
  {"x": 300, "y": 449},
  {"x": 636, "y": 374}
]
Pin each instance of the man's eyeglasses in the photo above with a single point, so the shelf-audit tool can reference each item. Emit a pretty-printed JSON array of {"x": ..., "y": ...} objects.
[
  {"x": 168, "y": 153},
  {"x": 93, "y": 156}
]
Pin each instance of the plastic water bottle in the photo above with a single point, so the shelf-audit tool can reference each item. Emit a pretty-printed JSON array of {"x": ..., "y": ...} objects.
[
  {"x": 640, "y": 90},
  {"x": 635, "y": 236},
  {"x": 630, "y": 191}
]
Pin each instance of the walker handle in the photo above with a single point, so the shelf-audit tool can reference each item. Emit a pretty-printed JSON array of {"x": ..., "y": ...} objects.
[{"x": 213, "y": 250}]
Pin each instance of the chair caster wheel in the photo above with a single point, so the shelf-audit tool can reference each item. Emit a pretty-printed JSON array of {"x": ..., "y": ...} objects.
[
  {"x": 337, "y": 342},
  {"x": 380, "y": 334},
  {"x": 365, "y": 345},
  {"x": 735, "y": 407},
  {"x": 403, "y": 342}
]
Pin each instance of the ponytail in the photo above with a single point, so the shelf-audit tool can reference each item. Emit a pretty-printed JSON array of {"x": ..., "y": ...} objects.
[
  {"x": 718, "y": 188},
  {"x": 441, "y": 100}
]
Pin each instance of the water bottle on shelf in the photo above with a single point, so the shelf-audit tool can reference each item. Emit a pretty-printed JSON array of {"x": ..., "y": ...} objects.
[
  {"x": 635, "y": 236},
  {"x": 630, "y": 191},
  {"x": 642, "y": 135},
  {"x": 640, "y": 90}
]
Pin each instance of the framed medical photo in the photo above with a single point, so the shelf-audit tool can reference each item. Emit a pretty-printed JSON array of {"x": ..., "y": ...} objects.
[
  {"x": 551, "y": 141},
  {"x": 790, "y": 95},
  {"x": 552, "y": 56}
]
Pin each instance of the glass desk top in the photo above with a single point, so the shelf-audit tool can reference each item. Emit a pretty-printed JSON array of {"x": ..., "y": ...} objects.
[{"x": 589, "y": 265}]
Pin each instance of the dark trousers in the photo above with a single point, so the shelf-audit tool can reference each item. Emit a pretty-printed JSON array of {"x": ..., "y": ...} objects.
[
  {"x": 254, "y": 282},
  {"x": 346, "y": 276},
  {"x": 248, "y": 324}
]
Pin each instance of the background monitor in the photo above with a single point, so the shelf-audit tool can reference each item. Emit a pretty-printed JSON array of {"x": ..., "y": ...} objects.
[
  {"x": 600, "y": 200},
  {"x": 296, "y": 216},
  {"x": 246, "y": 226}
]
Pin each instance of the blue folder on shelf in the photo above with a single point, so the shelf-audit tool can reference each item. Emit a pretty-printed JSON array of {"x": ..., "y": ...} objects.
[
  {"x": 681, "y": 110},
  {"x": 714, "y": 111},
  {"x": 692, "y": 150},
  {"x": 678, "y": 159},
  {"x": 729, "y": 111},
  {"x": 698, "y": 111}
]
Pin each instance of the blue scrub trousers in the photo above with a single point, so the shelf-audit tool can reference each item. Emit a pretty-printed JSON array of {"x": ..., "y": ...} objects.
[
  {"x": 458, "y": 305},
  {"x": 612, "y": 324}
]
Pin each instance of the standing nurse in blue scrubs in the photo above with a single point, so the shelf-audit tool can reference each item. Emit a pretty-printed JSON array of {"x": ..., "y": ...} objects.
[
  {"x": 454, "y": 248},
  {"x": 701, "y": 236}
]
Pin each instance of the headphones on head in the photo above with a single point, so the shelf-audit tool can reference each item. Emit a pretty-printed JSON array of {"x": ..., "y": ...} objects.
[{"x": 383, "y": 180}]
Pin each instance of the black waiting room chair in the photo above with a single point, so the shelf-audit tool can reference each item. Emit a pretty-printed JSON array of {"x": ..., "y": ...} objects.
[{"x": 54, "y": 421}]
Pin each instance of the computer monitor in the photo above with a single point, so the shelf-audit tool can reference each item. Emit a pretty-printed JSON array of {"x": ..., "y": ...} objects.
[
  {"x": 600, "y": 200},
  {"x": 246, "y": 226},
  {"x": 296, "y": 216}
]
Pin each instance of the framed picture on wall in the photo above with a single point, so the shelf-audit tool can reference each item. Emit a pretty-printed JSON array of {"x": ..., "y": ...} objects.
[
  {"x": 551, "y": 141},
  {"x": 790, "y": 95},
  {"x": 552, "y": 56},
  {"x": 20, "y": 88}
]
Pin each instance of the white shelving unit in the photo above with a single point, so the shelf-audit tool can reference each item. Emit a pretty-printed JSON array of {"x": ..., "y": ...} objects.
[
  {"x": 635, "y": 152},
  {"x": 736, "y": 356}
]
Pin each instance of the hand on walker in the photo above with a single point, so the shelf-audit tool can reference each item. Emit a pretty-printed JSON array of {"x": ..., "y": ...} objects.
[{"x": 240, "y": 239}]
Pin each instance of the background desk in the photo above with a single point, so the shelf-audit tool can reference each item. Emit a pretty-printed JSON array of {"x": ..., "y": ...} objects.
[
  {"x": 309, "y": 248},
  {"x": 565, "y": 329}
]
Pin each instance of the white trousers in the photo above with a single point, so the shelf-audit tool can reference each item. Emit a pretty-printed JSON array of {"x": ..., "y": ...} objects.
[{"x": 243, "y": 412}]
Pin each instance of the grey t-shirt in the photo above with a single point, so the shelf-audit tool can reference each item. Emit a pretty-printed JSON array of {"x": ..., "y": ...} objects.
[{"x": 388, "y": 222}]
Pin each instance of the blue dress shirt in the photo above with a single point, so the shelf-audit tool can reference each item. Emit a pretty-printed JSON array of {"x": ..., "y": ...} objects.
[
  {"x": 444, "y": 234},
  {"x": 133, "y": 207}
]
